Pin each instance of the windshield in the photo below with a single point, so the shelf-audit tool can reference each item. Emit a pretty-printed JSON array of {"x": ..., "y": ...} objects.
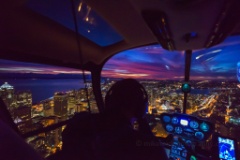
[{"x": 214, "y": 74}]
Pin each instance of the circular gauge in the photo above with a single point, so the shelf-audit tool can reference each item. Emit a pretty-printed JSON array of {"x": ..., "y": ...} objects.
[
  {"x": 175, "y": 120},
  {"x": 166, "y": 118},
  {"x": 169, "y": 128},
  {"x": 204, "y": 127},
  {"x": 194, "y": 124},
  {"x": 178, "y": 130},
  {"x": 199, "y": 135},
  {"x": 188, "y": 142}
]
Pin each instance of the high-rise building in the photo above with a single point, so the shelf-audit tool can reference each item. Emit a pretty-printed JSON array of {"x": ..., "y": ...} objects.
[
  {"x": 60, "y": 104},
  {"x": 71, "y": 103},
  {"x": 24, "y": 98},
  {"x": 7, "y": 94},
  {"x": 48, "y": 107}
]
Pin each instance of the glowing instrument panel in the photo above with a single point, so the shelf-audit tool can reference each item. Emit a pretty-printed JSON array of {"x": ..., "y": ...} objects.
[{"x": 187, "y": 126}]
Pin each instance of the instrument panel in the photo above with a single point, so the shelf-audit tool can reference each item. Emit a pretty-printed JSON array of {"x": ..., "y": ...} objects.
[{"x": 187, "y": 126}]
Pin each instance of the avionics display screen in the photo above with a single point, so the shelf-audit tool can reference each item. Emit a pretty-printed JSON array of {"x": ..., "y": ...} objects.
[
  {"x": 183, "y": 122},
  {"x": 226, "y": 149}
]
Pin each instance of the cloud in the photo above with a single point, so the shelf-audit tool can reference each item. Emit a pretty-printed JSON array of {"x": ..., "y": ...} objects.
[{"x": 153, "y": 62}]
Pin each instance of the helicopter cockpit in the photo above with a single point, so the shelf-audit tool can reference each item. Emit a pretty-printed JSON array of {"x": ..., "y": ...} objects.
[{"x": 185, "y": 54}]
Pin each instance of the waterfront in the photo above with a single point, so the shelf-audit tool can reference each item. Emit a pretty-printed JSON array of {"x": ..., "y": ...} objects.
[{"x": 42, "y": 89}]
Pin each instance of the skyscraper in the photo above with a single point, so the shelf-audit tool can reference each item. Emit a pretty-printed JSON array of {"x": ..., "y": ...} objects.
[
  {"x": 71, "y": 101},
  {"x": 60, "y": 104},
  {"x": 24, "y": 98},
  {"x": 7, "y": 94},
  {"x": 48, "y": 107}
]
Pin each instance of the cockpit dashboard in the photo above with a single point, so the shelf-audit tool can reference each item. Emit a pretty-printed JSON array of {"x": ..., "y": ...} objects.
[
  {"x": 187, "y": 126},
  {"x": 187, "y": 131}
]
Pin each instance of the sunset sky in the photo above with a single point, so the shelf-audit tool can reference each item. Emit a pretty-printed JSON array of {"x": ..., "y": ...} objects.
[{"x": 153, "y": 62}]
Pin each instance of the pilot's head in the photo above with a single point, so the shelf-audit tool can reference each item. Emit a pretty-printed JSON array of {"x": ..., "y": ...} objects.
[{"x": 128, "y": 97}]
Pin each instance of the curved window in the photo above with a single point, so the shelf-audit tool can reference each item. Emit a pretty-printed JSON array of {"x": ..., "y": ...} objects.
[
  {"x": 90, "y": 24},
  {"x": 214, "y": 80}
]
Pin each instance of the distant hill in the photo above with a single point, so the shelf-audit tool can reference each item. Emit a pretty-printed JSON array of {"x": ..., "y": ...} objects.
[{"x": 41, "y": 76}]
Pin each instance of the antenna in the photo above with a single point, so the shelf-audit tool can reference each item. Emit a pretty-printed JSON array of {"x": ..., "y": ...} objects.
[{"x": 80, "y": 53}]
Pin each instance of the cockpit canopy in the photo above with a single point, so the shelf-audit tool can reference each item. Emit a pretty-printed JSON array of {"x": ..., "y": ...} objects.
[{"x": 42, "y": 32}]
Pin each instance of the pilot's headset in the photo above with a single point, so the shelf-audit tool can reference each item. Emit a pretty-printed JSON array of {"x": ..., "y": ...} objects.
[{"x": 127, "y": 95}]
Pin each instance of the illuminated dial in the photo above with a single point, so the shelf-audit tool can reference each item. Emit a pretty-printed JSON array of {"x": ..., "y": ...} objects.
[
  {"x": 166, "y": 118},
  {"x": 204, "y": 127},
  {"x": 194, "y": 124},
  {"x": 169, "y": 128},
  {"x": 178, "y": 130},
  {"x": 188, "y": 142},
  {"x": 175, "y": 120},
  {"x": 199, "y": 135}
]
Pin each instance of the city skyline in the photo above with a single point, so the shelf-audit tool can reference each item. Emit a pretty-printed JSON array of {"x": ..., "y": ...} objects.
[
  {"x": 218, "y": 105},
  {"x": 153, "y": 62}
]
